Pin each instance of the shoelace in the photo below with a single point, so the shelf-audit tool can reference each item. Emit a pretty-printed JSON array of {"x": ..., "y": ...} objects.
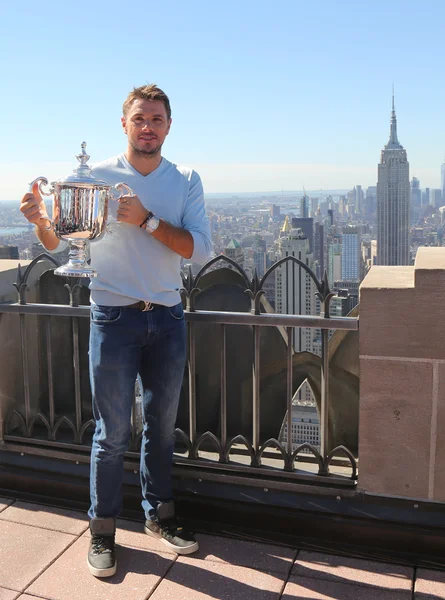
[
  {"x": 171, "y": 525},
  {"x": 102, "y": 544}
]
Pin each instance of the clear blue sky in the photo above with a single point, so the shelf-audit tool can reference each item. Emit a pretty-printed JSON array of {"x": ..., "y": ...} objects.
[{"x": 265, "y": 95}]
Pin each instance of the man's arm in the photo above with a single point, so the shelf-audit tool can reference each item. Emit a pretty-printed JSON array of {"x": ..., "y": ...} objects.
[
  {"x": 196, "y": 222},
  {"x": 132, "y": 211},
  {"x": 177, "y": 239},
  {"x": 193, "y": 240}
]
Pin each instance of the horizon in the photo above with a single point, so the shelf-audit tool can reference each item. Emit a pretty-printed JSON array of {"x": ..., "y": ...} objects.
[
  {"x": 254, "y": 107},
  {"x": 277, "y": 195},
  {"x": 256, "y": 195}
]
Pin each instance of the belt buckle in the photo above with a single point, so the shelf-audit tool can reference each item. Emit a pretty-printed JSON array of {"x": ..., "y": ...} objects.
[{"x": 147, "y": 306}]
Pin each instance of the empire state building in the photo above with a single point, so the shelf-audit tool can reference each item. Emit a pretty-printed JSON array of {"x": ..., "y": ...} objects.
[{"x": 393, "y": 202}]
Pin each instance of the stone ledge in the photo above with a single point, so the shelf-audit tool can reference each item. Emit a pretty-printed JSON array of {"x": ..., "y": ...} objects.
[
  {"x": 429, "y": 269},
  {"x": 388, "y": 278}
]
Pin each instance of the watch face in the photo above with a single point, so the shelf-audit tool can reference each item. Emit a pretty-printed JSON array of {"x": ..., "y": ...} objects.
[{"x": 153, "y": 223}]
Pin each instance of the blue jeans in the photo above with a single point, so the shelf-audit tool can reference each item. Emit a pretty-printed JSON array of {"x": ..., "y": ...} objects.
[{"x": 125, "y": 342}]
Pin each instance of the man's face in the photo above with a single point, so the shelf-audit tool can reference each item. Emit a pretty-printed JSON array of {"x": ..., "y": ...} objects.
[{"x": 146, "y": 125}]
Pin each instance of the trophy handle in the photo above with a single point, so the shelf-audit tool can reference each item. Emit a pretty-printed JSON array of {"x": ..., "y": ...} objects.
[
  {"x": 43, "y": 181},
  {"x": 119, "y": 190},
  {"x": 116, "y": 192}
]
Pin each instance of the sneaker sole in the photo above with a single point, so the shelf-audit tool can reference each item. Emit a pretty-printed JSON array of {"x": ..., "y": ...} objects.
[
  {"x": 102, "y": 572},
  {"x": 178, "y": 549}
]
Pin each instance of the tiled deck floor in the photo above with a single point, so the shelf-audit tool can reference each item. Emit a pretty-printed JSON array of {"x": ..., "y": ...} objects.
[{"x": 43, "y": 556}]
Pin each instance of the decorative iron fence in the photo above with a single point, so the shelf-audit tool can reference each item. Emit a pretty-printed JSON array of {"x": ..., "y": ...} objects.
[{"x": 42, "y": 420}]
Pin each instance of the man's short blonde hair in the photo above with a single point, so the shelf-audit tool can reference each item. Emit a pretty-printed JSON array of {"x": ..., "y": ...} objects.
[{"x": 147, "y": 92}]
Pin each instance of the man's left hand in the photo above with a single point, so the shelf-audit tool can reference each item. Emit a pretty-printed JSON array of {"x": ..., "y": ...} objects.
[{"x": 131, "y": 210}]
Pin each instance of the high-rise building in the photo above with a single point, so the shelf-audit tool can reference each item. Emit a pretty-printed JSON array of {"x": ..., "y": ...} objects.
[
  {"x": 295, "y": 289},
  {"x": 342, "y": 204},
  {"x": 304, "y": 207},
  {"x": 234, "y": 251},
  {"x": 319, "y": 250},
  {"x": 314, "y": 207},
  {"x": 307, "y": 226},
  {"x": 334, "y": 261},
  {"x": 416, "y": 199},
  {"x": 330, "y": 216},
  {"x": 393, "y": 202},
  {"x": 10, "y": 252},
  {"x": 369, "y": 249},
  {"x": 371, "y": 201},
  {"x": 275, "y": 211},
  {"x": 436, "y": 198},
  {"x": 351, "y": 204},
  {"x": 305, "y": 425},
  {"x": 259, "y": 257},
  {"x": 359, "y": 199},
  {"x": 426, "y": 197},
  {"x": 351, "y": 196},
  {"x": 350, "y": 291},
  {"x": 351, "y": 254}
]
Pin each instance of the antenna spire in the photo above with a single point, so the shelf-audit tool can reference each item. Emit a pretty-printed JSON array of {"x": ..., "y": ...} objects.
[{"x": 393, "y": 140}]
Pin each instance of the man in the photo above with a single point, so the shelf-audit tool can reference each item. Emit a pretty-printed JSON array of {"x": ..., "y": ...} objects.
[{"x": 137, "y": 320}]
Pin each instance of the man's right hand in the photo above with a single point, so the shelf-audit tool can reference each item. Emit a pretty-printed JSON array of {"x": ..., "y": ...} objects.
[{"x": 33, "y": 208}]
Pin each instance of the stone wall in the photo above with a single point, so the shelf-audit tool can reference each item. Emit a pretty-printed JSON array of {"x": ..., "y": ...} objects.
[{"x": 402, "y": 379}]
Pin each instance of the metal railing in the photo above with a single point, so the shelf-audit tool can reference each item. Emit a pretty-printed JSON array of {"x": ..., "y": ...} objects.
[{"x": 21, "y": 424}]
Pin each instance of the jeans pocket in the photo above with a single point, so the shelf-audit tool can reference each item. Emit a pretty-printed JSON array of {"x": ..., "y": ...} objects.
[
  {"x": 105, "y": 314},
  {"x": 176, "y": 311}
]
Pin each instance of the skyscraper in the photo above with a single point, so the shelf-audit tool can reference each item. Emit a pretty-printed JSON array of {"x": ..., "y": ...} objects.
[
  {"x": 436, "y": 198},
  {"x": 304, "y": 207},
  {"x": 295, "y": 290},
  {"x": 307, "y": 226},
  {"x": 351, "y": 255},
  {"x": 314, "y": 207},
  {"x": 359, "y": 199},
  {"x": 416, "y": 198},
  {"x": 393, "y": 201},
  {"x": 334, "y": 259},
  {"x": 274, "y": 211},
  {"x": 259, "y": 256},
  {"x": 234, "y": 251},
  {"x": 371, "y": 201},
  {"x": 319, "y": 250}
]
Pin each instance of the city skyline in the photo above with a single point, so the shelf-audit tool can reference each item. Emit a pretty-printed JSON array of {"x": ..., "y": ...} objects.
[
  {"x": 244, "y": 173},
  {"x": 253, "y": 111}
]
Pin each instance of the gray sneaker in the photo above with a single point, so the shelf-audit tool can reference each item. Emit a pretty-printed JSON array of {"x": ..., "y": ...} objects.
[
  {"x": 102, "y": 552},
  {"x": 163, "y": 525}
]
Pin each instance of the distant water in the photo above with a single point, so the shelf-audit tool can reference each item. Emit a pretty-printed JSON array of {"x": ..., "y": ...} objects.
[{"x": 5, "y": 231}]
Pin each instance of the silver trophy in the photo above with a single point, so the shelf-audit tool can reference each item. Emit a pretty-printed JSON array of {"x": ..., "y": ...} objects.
[{"x": 80, "y": 210}]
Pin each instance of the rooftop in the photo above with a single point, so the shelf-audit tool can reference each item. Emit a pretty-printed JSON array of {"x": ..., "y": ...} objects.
[
  {"x": 43, "y": 549},
  {"x": 359, "y": 516}
]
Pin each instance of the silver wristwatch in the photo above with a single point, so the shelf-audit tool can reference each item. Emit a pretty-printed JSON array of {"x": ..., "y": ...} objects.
[{"x": 152, "y": 224}]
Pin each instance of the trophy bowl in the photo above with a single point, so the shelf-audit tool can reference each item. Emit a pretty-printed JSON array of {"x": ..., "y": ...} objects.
[{"x": 80, "y": 210}]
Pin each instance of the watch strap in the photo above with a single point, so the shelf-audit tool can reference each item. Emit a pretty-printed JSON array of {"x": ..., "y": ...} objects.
[{"x": 147, "y": 218}]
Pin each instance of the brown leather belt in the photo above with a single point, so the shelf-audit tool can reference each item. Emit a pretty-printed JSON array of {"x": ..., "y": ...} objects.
[{"x": 144, "y": 306}]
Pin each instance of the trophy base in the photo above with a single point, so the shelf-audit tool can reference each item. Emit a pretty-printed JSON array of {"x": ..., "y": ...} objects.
[
  {"x": 77, "y": 265},
  {"x": 73, "y": 271}
]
